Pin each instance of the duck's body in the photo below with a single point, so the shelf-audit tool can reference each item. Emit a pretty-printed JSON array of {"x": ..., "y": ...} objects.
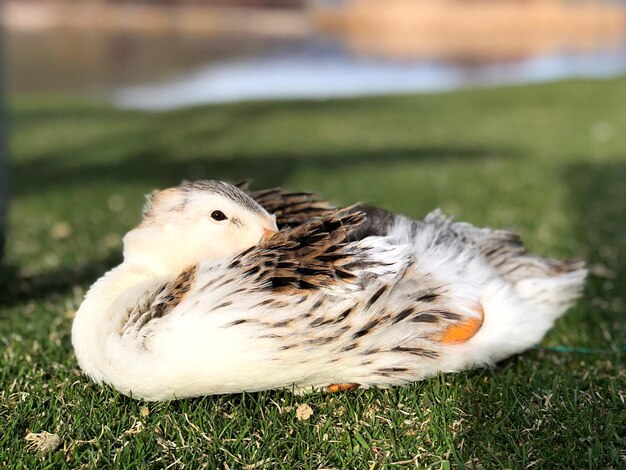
[{"x": 341, "y": 299}]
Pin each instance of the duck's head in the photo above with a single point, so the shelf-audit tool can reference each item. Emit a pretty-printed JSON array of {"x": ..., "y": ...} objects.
[{"x": 196, "y": 221}]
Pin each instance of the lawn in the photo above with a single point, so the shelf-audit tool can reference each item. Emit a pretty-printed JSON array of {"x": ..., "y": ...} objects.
[{"x": 548, "y": 161}]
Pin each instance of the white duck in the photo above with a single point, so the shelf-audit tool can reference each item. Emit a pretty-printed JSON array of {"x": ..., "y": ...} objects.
[{"x": 207, "y": 301}]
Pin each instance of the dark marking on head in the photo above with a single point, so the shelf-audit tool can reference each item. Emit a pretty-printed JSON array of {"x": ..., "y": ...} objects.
[{"x": 225, "y": 190}]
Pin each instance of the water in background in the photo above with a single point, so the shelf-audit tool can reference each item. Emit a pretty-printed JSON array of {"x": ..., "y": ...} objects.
[
  {"x": 321, "y": 70},
  {"x": 165, "y": 71}
]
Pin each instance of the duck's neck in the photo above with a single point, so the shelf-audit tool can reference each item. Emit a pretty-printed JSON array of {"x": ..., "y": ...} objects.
[
  {"x": 102, "y": 313},
  {"x": 118, "y": 281}
]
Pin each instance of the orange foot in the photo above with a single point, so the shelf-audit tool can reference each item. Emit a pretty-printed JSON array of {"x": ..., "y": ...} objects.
[
  {"x": 334, "y": 388},
  {"x": 461, "y": 332}
]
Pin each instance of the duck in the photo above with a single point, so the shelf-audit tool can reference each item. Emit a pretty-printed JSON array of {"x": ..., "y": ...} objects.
[{"x": 226, "y": 290}]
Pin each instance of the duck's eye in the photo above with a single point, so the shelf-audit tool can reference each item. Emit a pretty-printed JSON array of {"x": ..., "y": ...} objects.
[{"x": 218, "y": 215}]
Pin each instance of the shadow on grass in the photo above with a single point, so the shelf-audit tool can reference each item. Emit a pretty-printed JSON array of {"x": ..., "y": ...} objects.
[
  {"x": 158, "y": 168},
  {"x": 163, "y": 149},
  {"x": 16, "y": 289}
]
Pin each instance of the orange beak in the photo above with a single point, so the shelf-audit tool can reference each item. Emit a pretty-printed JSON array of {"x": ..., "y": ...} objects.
[{"x": 267, "y": 234}]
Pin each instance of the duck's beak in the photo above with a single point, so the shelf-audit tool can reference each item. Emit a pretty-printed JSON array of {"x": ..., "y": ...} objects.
[{"x": 267, "y": 234}]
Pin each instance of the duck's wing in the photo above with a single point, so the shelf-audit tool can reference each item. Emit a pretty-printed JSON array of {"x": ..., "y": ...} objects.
[
  {"x": 313, "y": 255},
  {"x": 295, "y": 208},
  {"x": 290, "y": 208}
]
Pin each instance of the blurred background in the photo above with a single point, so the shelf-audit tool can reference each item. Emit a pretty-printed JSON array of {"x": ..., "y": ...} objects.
[
  {"x": 163, "y": 54},
  {"x": 393, "y": 102}
]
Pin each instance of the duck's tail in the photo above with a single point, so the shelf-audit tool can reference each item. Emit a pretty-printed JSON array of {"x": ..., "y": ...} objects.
[
  {"x": 549, "y": 281},
  {"x": 518, "y": 315},
  {"x": 550, "y": 286},
  {"x": 524, "y": 298}
]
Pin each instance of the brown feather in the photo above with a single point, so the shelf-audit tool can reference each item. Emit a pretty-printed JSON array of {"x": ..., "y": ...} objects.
[
  {"x": 307, "y": 257},
  {"x": 290, "y": 209}
]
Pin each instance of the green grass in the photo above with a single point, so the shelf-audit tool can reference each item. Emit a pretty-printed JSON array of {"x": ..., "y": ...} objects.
[{"x": 548, "y": 161}]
